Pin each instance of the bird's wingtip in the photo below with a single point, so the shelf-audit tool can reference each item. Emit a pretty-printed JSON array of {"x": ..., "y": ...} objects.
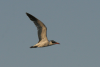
[
  {"x": 27, "y": 13},
  {"x": 33, "y": 47}
]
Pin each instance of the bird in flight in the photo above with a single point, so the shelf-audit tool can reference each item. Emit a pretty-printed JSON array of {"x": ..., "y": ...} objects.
[{"x": 42, "y": 33}]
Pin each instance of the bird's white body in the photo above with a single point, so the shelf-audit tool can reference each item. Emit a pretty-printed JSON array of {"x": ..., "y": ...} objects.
[
  {"x": 42, "y": 33},
  {"x": 42, "y": 43}
]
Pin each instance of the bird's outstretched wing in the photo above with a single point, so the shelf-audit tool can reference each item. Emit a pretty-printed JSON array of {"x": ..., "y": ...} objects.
[{"x": 42, "y": 30}]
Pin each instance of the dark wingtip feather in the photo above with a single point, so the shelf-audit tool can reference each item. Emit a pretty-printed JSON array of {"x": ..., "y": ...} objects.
[
  {"x": 33, "y": 47},
  {"x": 31, "y": 17}
]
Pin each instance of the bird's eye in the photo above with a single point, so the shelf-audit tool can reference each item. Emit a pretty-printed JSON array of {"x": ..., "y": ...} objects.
[{"x": 53, "y": 42}]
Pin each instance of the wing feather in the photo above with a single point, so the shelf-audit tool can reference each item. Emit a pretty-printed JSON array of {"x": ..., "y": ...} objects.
[{"x": 42, "y": 30}]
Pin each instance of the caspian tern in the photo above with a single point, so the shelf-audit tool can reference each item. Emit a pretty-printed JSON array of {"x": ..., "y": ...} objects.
[{"x": 42, "y": 31}]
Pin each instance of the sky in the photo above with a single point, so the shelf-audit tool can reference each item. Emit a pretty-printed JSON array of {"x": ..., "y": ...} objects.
[{"x": 75, "y": 24}]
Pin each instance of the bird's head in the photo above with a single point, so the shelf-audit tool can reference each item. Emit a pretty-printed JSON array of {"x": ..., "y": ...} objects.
[{"x": 52, "y": 42}]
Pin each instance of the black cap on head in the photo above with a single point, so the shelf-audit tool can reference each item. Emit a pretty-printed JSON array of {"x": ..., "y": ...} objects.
[{"x": 53, "y": 41}]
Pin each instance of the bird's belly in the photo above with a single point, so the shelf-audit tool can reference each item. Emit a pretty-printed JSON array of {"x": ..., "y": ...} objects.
[{"x": 43, "y": 44}]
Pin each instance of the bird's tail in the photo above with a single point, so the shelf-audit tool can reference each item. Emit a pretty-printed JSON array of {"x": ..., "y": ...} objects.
[{"x": 33, "y": 47}]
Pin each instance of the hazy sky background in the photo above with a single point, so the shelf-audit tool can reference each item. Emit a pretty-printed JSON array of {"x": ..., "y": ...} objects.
[{"x": 75, "y": 24}]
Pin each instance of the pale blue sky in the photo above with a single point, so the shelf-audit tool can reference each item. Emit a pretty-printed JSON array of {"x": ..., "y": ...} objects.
[{"x": 75, "y": 24}]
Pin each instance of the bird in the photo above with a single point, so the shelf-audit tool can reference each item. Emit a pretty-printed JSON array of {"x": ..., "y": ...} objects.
[{"x": 42, "y": 33}]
